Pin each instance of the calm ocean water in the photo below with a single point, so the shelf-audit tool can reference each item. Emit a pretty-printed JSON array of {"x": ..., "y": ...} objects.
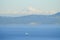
[{"x": 30, "y": 32}]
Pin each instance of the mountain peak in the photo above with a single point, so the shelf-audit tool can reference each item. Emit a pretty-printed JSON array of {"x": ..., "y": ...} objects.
[{"x": 57, "y": 14}]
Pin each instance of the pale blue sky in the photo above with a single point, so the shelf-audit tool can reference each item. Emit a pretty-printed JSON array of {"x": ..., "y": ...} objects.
[{"x": 17, "y": 5}]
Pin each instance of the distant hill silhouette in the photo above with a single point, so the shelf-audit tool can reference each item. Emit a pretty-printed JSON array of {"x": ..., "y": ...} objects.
[
  {"x": 57, "y": 14},
  {"x": 39, "y": 19}
]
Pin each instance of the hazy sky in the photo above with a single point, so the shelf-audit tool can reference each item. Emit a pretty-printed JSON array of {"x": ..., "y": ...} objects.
[{"x": 22, "y": 6}]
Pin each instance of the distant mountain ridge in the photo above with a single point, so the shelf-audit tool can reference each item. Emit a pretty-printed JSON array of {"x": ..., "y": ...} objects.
[
  {"x": 39, "y": 19},
  {"x": 57, "y": 14}
]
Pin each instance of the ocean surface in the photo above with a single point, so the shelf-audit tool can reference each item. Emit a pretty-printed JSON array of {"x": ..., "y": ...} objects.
[{"x": 29, "y": 32}]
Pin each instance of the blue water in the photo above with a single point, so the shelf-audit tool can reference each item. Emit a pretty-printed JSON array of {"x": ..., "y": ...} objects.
[{"x": 34, "y": 32}]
